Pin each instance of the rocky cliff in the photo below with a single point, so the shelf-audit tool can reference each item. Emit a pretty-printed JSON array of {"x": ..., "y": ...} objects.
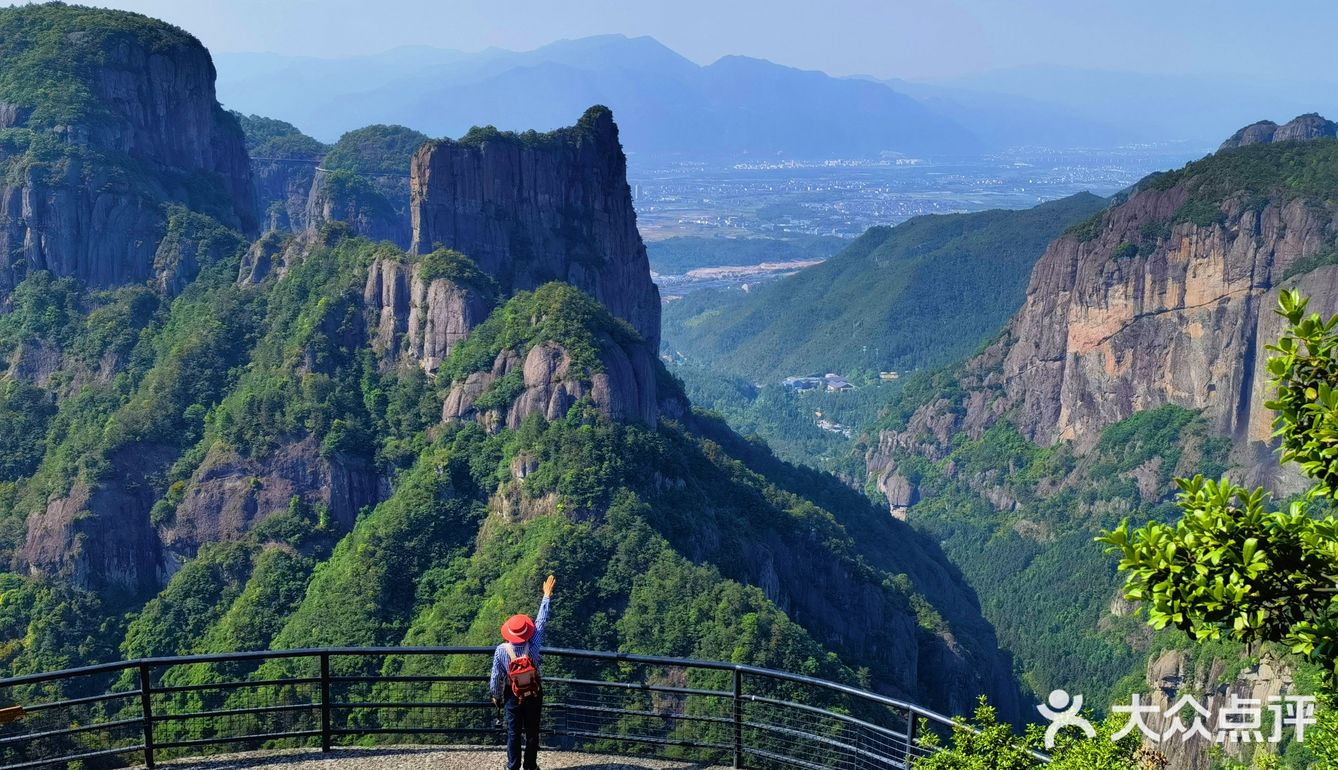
[
  {"x": 547, "y": 384},
  {"x": 545, "y": 351},
  {"x": 283, "y": 166},
  {"x": 111, "y": 115},
  {"x": 229, "y": 495},
  {"x": 415, "y": 316},
  {"x": 344, "y": 196},
  {"x": 1211, "y": 682},
  {"x": 1165, "y": 298},
  {"x": 534, "y": 208},
  {"x": 1137, "y": 356},
  {"x": 1309, "y": 126}
]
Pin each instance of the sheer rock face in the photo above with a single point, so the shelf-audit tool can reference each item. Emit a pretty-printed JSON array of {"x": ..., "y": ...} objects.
[
  {"x": 228, "y": 495},
  {"x": 341, "y": 197},
  {"x": 286, "y": 184},
  {"x": 1172, "y": 676},
  {"x": 1102, "y": 335},
  {"x": 84, "y": 219},
  {"x": 97, "y": 535},
  {"x": 624, "y": 388},
  {"x": 529, "y": 210},
  {"x": 1148, "y": 312},
  {"x": 415, "y": 320}
]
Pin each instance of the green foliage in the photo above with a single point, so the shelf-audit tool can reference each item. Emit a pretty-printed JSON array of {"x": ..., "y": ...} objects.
[
  {"x": 787, "y": 420},
  {"x": 451, "y": 265},
  {"x": 984, "y": 743},
  {"x": 502, "y": 392},
  {"x": 1200, "y": 212},
  {"x": 49, "y": 625},
  {"x": 1125, "y": 250},
  {"x": 112, "y": 330},
  {"x": 1292, "y": 169},
  {"x": 882, "y": 303},
  {"x": 555, "y": 312},
  {"x": 353, "y": 197},
  {"x": 1019, "y": 518},
  {"x": 1231, "y": 568},
  {"x": 309, "y": 373},
  {"x": 1305, "y": 376},
  {"x": 42, "y": 307},
  {"x": 1278, "y": 172},
  {"x": 1089, "y": 229},
  {"x": 25, "y": 413},
  {"x": 52, "y": 56},
  {"x": 373, "y": 150},
  {"x": 270, "y": 138},
  {"x": 1225, "y": 566},
  {"x": 174, "y": 621},
  {"x": 193, "y": 242},
  {"x": 364, "y": 593},
  {"x": 1321, "y": 258}
]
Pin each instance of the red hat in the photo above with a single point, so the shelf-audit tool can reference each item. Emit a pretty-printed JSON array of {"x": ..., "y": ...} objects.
[{"x": 518, "y": 629}]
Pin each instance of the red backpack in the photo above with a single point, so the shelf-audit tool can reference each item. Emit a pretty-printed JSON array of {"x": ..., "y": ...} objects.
[{"x": 523, "y": 674}]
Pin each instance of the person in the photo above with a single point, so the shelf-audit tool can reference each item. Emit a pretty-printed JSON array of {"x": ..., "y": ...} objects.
[{"x": 524, "y": 639}]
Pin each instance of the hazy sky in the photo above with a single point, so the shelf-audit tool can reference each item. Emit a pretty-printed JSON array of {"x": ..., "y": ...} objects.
[{"x": 887, "y": 38}]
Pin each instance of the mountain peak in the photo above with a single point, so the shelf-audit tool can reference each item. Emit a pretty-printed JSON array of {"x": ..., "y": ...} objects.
[{"x": 1308, "y": 126}]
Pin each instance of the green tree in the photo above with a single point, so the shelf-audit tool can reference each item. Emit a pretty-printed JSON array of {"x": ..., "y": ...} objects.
[
  {"x": 1231, "y": 567},
  {"x": 985, "y": 743}
]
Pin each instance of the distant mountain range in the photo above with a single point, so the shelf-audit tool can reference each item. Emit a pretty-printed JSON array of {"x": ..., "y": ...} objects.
[
  {"x": 665, "y": 103},
  {"x": 739, "y": 106}
]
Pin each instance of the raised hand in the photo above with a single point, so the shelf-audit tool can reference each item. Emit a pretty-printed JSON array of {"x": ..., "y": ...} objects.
[{"x": 548, "y": 585}]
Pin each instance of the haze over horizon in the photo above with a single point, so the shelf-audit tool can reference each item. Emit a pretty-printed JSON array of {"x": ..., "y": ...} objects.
[{"x": 897, "y": 39}]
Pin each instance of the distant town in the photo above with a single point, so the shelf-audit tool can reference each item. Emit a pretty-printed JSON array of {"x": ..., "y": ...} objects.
[{"x": 844, "y": 197}]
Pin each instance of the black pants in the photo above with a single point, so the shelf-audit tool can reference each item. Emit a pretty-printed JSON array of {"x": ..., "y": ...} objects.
[{"x": 522, "y": 718}]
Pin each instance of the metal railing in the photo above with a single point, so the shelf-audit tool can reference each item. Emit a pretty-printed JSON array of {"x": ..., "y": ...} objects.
[{"x": 144, "y": 711}]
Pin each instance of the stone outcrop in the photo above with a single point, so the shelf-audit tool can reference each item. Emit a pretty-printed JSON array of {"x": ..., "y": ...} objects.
[
  {"x": 283, "y": 187},
  {"x": 228, "y": 495},
  {"x": 530, "y": 209},
  {"x": 418, "y": 320},
  {"x": 1309, "y": 126},
  {"x": 1101, "y": 337},
  {"x": 158, "y": 136},
  {"x": 342, "y": 196},
  {"x": 97, "y": 535},
  {"x": 1172, "y": 676},
  {"x": 623, "y": 387},
  {"x": 1128, "y": 321}
]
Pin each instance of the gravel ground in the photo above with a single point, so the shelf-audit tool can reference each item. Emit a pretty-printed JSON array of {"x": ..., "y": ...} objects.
[{"x": 411, "y": 758}]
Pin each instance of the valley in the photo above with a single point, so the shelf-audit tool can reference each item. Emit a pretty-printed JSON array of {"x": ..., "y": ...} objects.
[{"x": 866, "y": 380}]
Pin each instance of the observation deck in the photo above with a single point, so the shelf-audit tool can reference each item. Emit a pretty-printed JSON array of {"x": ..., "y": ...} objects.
[{"x": 339, "y": 708}]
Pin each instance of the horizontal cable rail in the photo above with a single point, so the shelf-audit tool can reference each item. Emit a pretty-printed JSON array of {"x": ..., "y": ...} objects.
[{"x": 148, "y": 710}]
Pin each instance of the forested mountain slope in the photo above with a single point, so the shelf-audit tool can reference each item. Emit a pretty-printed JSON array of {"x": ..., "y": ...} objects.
[
  {"x": 1136, "y": 357},
  {"x": 921, "y": 294},
  {"x": 313, "y": 438}
]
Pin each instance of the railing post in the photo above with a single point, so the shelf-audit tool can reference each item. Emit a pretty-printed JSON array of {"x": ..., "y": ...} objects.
[
  {"x": 146, "y": 710},
  {"x": 325, "y": 701},
  {"x": 738, "y": 717},
  {"x": 910, "y": 735}
]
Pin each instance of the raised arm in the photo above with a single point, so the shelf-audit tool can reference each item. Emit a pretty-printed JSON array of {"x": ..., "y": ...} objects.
[{"x": 541, "y": 619}]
